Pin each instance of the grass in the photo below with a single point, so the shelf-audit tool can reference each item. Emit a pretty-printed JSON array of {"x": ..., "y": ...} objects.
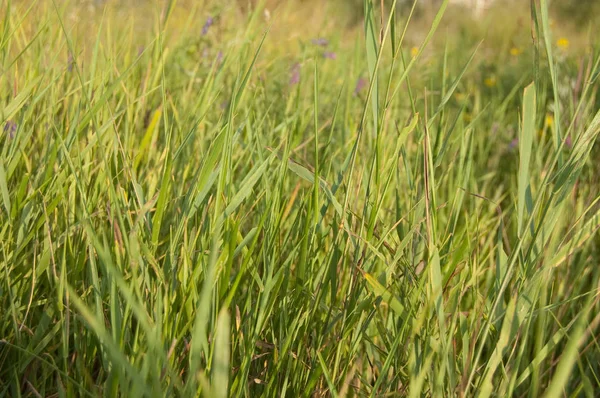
[{"x": 235, "y": 214}]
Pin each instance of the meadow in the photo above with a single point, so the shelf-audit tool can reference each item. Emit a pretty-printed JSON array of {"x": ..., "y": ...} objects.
[{"x": 298, "y": 198}]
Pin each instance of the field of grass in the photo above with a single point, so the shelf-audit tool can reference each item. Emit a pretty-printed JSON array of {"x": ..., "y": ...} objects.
[{"x": 208, "y": 199}]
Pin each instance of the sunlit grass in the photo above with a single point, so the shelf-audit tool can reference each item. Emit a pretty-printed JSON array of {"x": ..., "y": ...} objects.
[{"x": 211, "y": 200}]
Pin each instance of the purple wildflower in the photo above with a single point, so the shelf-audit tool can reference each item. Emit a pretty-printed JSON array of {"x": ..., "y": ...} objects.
[
  {"x": 10, "y": 127},
  {"x": 514, "y": 143},
  {"x": 209, "y": 22},
  {"x": 295, "y": 75},
  {"x": 360, "y": 84},
  {"x": 219, "y": 57},
  {"x": 70, "y": 63},
  {"x": 329, "y": 55},
  {"x": 320, "y": 42},
  {"x": 569, "y": 142}
]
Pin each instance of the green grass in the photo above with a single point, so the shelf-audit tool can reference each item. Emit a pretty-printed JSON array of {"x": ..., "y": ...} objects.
[{"x": 230, "y": 214}]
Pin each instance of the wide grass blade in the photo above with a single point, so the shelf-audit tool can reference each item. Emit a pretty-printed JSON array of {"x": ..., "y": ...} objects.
[{"x": 528, "y": 124}]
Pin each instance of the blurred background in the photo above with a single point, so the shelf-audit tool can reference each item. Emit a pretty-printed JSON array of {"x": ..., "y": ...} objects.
[
  {"x": 493, "y": 20},
  {"x": 196, "y": 32}
]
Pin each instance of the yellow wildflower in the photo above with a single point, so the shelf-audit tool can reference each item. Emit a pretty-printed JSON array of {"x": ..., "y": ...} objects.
[
  {"x": 515, "y": 51},
  {"x": 549, "y": 122},
  {"x": 460, "y": 97},
  {"x": 563, "y": 43},
  {"x": 414, "y": 52},
  {"x": 490, "y": 81}
]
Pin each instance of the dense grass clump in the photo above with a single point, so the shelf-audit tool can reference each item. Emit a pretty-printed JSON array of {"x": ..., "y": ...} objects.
[{"x": 199, "y": 199}]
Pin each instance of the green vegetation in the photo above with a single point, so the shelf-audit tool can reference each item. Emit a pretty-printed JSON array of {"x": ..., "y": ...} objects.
[{"x": 203, "y": 199}]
